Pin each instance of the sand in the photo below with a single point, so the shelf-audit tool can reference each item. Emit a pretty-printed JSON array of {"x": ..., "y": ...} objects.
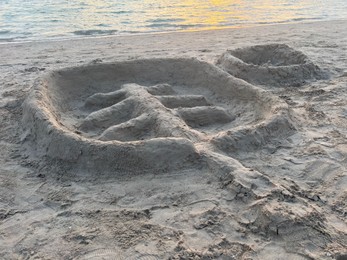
[{"x": 225, "y": 144}]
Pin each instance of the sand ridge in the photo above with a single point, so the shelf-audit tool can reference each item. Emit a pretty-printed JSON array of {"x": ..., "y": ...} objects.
[
  {"x": 271, "y": 65},
  {"x": 125, "y": 112}
]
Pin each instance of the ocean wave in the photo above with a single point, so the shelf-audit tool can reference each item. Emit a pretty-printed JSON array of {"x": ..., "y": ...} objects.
[
  {"x": 304, "y": 19},
  {"x": 165, "y": 20},
  {"x": 175, "y": 26},
  {"x": 4, "y": 40},
  {"x": 5, "y": 32},
  {"x": 94, "y": 32},
  {"x": 80, "y": 18},
  {"x": 121, "y": 12}
]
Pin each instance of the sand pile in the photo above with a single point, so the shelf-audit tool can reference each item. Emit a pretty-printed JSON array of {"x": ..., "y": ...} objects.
[
  {"x": 271, "y": 65},
  {"x": 148, "y": 114}
]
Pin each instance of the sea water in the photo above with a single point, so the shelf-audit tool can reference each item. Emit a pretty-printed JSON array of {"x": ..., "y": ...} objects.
[{"x": 49, "y": 19}]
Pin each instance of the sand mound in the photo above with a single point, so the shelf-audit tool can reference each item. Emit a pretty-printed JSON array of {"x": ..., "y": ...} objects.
[
  {"x": 148, "y": 114},
  {"x": 271, "y": 64}
]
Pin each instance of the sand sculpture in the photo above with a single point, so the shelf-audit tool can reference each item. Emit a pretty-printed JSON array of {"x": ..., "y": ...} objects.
[
  {"x": 271, "y": 65},
  {"x": 204, "y": 188},
  {"x": 156, "y": 115}
]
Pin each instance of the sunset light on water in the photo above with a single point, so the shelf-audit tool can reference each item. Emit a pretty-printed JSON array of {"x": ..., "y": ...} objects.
[{"x": 46, "y": 19}]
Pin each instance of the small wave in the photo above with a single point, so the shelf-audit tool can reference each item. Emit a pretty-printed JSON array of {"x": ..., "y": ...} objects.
[
  {"x": 197, "y": 25},
  {"x": 161, "y": 20},
  {"x": 156, "y": 25},
  {"x": 291, "y": 20},
  {"x": 132, "y": 32},
  {"x": 103, "y": 25},
  {"x": 176, "y": 26},
  {"x": 121, "y": 12},
  {"x": 94, "y": 32},
  {"x": 6, "y": 40},
  {"x": 10, "y": 36},
  {"x": 5, "y": 32},
  {"x": 304, "y": 19}
]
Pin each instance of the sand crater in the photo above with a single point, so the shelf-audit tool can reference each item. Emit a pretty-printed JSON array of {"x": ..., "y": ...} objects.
[
  {"x": 148, "y": 114},
  {"x": 270, "y": 64}
]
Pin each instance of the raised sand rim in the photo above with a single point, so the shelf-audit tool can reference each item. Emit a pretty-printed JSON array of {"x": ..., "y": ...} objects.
[
  {"x": 270, "y": 64},
  {"x": 148, "y": 114}
]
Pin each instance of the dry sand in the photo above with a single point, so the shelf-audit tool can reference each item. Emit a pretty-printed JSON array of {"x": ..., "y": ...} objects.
[{"x": 148, "y": 147}]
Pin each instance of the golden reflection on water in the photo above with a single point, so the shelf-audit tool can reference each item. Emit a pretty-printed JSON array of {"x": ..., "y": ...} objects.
[
  {"x": 184, "y": 14},
  {"x": 216, "y": 13},
  {"x": 36, "y": 19},
  {"x": 191, "y": 14},
  {"x": 96, "y": 17}
]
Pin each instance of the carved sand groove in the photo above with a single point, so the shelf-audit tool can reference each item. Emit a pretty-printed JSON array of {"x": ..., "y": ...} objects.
[
  {"x": 183, "y": 101},
  {"x": 148, "y": 115},
  {"x": 202, "y": 116},
  {"x": 139, "y": 112},
  {"x": 271, "y": 65}
]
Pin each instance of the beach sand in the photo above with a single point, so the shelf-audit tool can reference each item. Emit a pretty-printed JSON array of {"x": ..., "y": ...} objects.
[{"x": 205, "y": 165}]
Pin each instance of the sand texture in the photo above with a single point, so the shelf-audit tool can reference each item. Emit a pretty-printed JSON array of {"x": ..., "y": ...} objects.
[
  {"x": 226, "y": 144},
  {"x": 123, "y": 123},
  {"x": 272, "y": 65}
]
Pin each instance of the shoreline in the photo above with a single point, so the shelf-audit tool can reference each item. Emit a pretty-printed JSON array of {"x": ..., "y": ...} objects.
[
  {"x": 239, "y": 27},
  {"x": 286, "y": 197}
]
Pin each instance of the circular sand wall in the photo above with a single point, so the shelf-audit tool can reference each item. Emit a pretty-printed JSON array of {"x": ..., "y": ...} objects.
[{"x": 271, "y": 65}]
